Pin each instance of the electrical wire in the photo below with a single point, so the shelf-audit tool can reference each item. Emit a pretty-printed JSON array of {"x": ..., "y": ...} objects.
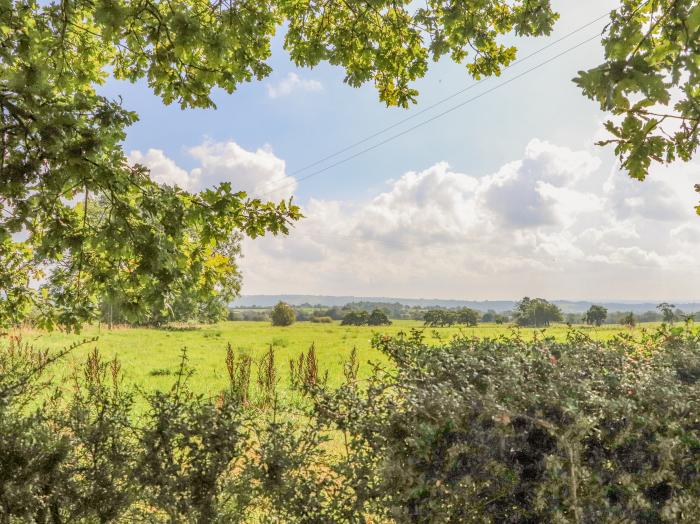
[{"x": 431, "y": 119}]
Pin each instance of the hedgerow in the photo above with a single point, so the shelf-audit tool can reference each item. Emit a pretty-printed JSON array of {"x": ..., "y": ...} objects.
[
  {"x": 502, "y": 430},
  {"x": 506, "y": 430}
]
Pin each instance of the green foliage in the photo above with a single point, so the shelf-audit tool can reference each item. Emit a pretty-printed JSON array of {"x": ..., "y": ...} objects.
[
  {"x": 449, "y": 317},
  {"x": 536, "y": 312},
  {"x": 468, "y": 316},
  {"x": 378, "y": 318},
  {"x": 667, "y": 312},
  {"x": 629, "y": 320},
  {"x": 31, "y": 453},
  {"x": 200, "y": 295},
  {"x": 355, "y": 318},
  {"x": 508, "y": 430},
  {"x": 321, "y": 320},
  {"x": 492, "y": 316},
  {"x": 361, "y": 318},
  {"x": 283, "y": 315},
  {"x": 62, "y": 142},
  {"x": 390, "y": 43},
  {"x": 649, "y": 82},
  {"x": 188, "y": 444},
  {"x": 471, "y": 430},
  {"x": 595, "y": 315}
]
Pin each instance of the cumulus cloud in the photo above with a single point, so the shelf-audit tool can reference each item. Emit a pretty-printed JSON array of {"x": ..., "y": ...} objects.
[
  {"x": 291, "y": 83},
  {"x": 163, "y": 169},
  {"x": 552, "y": 223},
  {"x": 539, "y": 190},
  {"x": 259, "y": 172}
]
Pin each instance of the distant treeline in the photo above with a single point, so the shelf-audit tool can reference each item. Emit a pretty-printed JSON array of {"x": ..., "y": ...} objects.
[
  {"x": 535, "y": 312},
  {"x": 527, "y": 312}
]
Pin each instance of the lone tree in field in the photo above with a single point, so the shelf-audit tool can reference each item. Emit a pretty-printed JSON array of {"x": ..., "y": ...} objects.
[
  {"x": 629, "y": 320},
  {"x": 438, "y": 318},
  {"x": 536, "y": 312},
  {"x": 378, "y": 318},
  {"x": 467, "y": 316},
  {"x": 283, "y": 315},
  {"x": 355, "y": 318},
  {"x": 667, "y": 312},
  {"x": 596, "y": 315}
]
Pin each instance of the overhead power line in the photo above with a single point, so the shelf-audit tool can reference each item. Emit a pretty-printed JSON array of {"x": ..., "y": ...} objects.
[
  {"x": 445, "y": 99},
  {"x": 428, "y": 120}
]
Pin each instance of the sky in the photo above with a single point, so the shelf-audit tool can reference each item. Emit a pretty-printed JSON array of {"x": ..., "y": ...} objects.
[{"x": 507, "y": 195}]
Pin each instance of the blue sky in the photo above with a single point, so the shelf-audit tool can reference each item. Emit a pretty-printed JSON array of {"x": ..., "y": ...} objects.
[{"x": 500, "y": 166}]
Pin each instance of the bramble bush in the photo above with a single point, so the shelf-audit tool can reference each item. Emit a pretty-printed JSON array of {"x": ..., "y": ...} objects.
[
  {"x": 508, "y": 430},
  {"x": 502, "y": 430}
]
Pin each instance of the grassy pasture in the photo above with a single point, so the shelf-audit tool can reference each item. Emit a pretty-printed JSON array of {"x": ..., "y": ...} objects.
[{"x": 150, "y": 357}]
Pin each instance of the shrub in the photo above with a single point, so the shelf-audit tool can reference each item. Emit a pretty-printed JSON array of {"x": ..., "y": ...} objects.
[
  {"x": 188, "y": 445},
  {"x": 355, "y": 318},
  {"x": 321, "y": 320},
  {"x": 283, "y": 315},
  {"x": 160, "y": 372},
  {"x": 500, "y": 430},
  {"x": 279, "y": 342},
  {"x": 509, "y": 430},
  {"x": 378, "y": 318}
]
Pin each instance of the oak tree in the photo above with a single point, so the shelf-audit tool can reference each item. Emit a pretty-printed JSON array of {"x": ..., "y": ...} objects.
[
  {"x": 596, "y": 315},
  {"x": 61, "y": 141},
  {"x": 650, "y": 83}
]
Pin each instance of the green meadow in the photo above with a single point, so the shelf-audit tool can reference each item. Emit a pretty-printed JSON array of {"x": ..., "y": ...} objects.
[{"x": 150, "y": 357}]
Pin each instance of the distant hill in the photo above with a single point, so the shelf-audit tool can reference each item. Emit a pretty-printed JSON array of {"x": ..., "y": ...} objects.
[{"x": 567, "y": 306}]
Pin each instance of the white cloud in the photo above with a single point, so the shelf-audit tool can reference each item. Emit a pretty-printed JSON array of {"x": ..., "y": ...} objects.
[
  {"x": 552, "y": 223},
  {"x": 290, "y": 83},
  {"x": 540, "y": 189},
  {"x": 163, "y": 170},
  {"x": 259, "y": 173}
]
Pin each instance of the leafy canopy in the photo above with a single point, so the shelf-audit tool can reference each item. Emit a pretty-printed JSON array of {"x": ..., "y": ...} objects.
[
  {"x": 62, "y": 142},
  {"x": 283, "y": 314},
  {"x": 596, "y": 315},
  {"x": 536, "y": 312},
  {"x": 650, "y": 82}
]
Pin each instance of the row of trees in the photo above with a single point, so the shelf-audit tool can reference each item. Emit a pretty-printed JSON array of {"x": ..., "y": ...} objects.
[
  {"x": 361, "y": 318},
  {"x": 538, "y": 312},
  {"x": 449, "y": 317},
  {"x": 532, "y": 312},
  {"x": 666, "y": 312},
  {"x": 284, "y": 315}
]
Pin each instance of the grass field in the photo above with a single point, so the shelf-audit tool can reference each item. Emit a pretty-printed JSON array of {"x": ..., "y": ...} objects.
[{"x": 150, "y": 357}]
